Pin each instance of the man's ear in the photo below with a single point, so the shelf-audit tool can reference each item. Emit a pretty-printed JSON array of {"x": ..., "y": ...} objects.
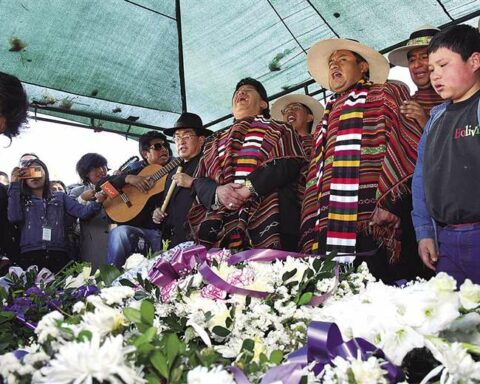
[
  {"x": 364, "y": 67},
  {"x": 309, "y": 118},
  {"x": 263, "y": 105},
  {"x": 143, "y": 153},
  {"x": 475, "y": 60},
  {"x": 3, "y": 124}
]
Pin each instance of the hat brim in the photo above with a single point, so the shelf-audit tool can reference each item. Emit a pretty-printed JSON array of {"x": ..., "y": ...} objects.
[
  {"x": 200, "y": 132},
  {"x": 399, "y": 57},
  {"x": 319, "y": 54},
  {"x": 314, "y": 105}
]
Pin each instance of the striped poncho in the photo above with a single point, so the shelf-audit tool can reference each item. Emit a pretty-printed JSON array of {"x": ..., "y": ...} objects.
[
  {"x": 427, "y": 98},
  {"x": 230, "y": 157},
  {"x": 387, "y": 160}
]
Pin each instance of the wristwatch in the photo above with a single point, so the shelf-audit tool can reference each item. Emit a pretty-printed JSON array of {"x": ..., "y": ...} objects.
[{"x": 250, "y": 187}]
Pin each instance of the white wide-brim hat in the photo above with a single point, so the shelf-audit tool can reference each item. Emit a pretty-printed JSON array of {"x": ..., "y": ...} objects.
[
  {"x": 418, "y": 39},
  {"x": 319, "y": 54},
  {"x": 313, "y": 104}
]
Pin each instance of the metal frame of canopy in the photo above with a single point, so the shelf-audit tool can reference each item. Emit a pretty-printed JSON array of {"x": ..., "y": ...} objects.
[{"x": 95, "y": 119}]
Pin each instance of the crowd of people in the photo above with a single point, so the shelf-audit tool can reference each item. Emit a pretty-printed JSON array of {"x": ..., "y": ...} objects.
[{"x": 376, "y": 176}]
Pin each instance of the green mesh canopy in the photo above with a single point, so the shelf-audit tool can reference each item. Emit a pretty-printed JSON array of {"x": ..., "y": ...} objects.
[{"x": 132, "y": 66}]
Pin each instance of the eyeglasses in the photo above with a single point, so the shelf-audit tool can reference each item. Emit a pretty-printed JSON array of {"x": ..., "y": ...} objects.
[
  {"x": 293, "y": 108},
  {"x": 179, "y": 139},
  {"x": 157, "y": 146}
]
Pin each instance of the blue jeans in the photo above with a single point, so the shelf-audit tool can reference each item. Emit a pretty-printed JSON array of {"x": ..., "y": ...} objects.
[
  {"x": 123, "y": 241},
  {"x": 459, "y": 252}
]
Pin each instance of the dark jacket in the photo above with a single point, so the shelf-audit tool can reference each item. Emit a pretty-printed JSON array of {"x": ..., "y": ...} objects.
[
  {"x": 34, "y": 214},
  {"x": 175, "y": 226}
]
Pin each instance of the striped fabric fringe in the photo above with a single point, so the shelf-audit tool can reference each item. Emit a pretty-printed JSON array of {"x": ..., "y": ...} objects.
[
  {"x": 343, "y": 202},
  {"x": 230, "y": 156}
]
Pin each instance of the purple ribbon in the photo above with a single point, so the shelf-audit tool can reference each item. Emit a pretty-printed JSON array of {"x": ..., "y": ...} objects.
[
  {"x": 324, "y": 343},
  {"x": 184, "y": 260}
]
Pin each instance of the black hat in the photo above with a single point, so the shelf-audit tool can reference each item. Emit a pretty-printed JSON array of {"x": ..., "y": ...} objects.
[
  {"x": 189, "y": 120},
  {"x": 260, "y": 89}
]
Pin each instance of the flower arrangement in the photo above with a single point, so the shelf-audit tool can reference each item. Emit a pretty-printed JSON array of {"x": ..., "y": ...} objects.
[{"x": 123, "y": 328}]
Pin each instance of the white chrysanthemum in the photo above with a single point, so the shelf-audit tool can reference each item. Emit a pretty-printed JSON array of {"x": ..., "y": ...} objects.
[
  {"x": 102, "y": 320},
  {"x": 78, "y": 307},
  {"x": 90, "y": 360},
  {"x": 202, "y": 375},
  {"x": 47, "y": 326},
  {"x": 363, "y": 372},
  {"x": 116, "y": 295},
  {"x": 459, "y": 367},
  {"x": 469, "y": 295},
  {"x": 11, "y": 367},
  {"x": 134, "y": 261}
]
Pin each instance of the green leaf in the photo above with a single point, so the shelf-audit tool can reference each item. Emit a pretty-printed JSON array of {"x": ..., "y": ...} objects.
[
  {"x": 159, "y": 361},
  {"x": 173, "y": 344},
  {"x": 287, "y": 275},
  {"x": 147, "y": 311},
  {"x": 263, "y": 359},
  {"x": 248, "y": 345},
  {"x": 146, "y": 337},
  {"x": 84, "y": 335},
  {"x": 108, "y": 273},
  {"x": 220, "y": 331},
  {"x": 6, "y": 317},
  {"x": 132, "y": 315},
  {"x": 127, "y": 283},
  {"x": 153, "y": 379},
  {"x": 176, "y": 375},
  {"x": 317, "y": 263},
  {"x": 276, "y": 357},
  {"x": 305, "y": 298},
  {"x": 140, "y": 295},
  {"x": 145, "y": 349}
]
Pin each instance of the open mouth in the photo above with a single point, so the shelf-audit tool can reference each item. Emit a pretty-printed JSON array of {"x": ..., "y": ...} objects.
[
  {"x": 241, "y": 98},
  {"x": 421, "y": 74},
  {"x": 438, "y": 87},
  {"x": 291, "y": 118},
  {"x": 335, "y": 75}
]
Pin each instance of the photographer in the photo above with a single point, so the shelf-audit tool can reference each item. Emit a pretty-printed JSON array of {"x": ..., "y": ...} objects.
[{"x": 41, "y": 216}]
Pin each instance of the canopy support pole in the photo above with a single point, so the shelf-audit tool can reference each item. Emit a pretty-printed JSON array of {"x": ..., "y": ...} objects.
[{"x": 181, "y": 67}]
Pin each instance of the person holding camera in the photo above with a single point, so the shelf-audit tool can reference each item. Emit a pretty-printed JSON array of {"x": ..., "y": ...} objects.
[{"x": 40, "y": 214}]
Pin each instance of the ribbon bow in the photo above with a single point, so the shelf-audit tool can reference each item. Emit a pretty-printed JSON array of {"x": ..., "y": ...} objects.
[
  {"x": 184, "y": 261},
  {"x": 324, "y": 343}
]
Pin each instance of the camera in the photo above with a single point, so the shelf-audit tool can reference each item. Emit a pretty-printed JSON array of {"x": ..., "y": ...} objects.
[{"x": 34, "y": 172}]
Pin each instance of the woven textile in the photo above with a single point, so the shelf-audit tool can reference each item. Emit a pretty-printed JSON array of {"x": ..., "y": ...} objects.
[
  {"x": 388, "y": 155},
  {"x": 427, "y": 98},
  {"x": 229, "y": 157},
  {"x": 343, "y": 201}
]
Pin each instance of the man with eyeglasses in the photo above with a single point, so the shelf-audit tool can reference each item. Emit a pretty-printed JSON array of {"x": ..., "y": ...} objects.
[
  {"x": 189, "y": 136},
  {"x": 241, "y": 177},
  {"x": 124, "y": 239},
  {"x": 303, "y": 113}
]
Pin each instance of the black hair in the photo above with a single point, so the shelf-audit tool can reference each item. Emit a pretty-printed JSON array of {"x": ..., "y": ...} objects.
[
  {"x": 145, "y": 140},
  {"x": 462, "y": 39},
  {"x": 88, "y": 162},
  {"x": 260, "y": 89},
  {"x": 59, "y": 182},
  {"x": 361, "y": 59},
  {"x": 25, "y": 189},
  {"x": 13, "y": 104}
]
